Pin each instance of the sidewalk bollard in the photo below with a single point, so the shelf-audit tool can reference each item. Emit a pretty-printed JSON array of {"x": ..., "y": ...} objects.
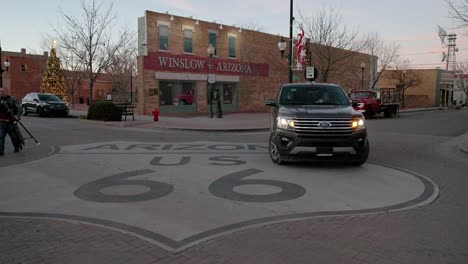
[{"x": 155, "y": 114}]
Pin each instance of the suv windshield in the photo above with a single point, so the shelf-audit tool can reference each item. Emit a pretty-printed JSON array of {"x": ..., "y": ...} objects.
[
  {"x": 48, "y": 98},
  {"x": 313, "y": 95}
]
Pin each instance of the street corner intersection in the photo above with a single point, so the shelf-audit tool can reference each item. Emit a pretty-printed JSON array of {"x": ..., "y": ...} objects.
[{"x": 180, "y": 194}]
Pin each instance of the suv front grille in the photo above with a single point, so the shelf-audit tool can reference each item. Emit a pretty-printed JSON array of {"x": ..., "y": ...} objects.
[{"x": 335, "y": 126}]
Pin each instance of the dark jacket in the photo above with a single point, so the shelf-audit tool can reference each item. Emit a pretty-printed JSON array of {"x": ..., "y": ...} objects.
[{"x": 8, "y": 108}]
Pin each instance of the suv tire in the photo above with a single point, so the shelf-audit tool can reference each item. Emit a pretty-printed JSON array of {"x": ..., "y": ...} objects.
[
  {"x": 362, "y": 156},
  {"x": 368, "y": 113},
  {"x": 275, "y": 156}
]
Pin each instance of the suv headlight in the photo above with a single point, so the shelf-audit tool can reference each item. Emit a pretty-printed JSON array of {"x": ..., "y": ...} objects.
[
  {"x": 286, "y": 123},
  {"x": 358, "y": 124}
]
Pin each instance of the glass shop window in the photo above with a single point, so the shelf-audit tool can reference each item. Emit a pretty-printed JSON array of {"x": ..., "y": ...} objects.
[
  {"x": 176, "y": 93},
  {"x": 163, "y": 37},
  {"x": 228, "y": 91}
]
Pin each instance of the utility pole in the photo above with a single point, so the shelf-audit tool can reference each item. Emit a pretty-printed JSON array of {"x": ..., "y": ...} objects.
[{"x": 291, "y": 22}]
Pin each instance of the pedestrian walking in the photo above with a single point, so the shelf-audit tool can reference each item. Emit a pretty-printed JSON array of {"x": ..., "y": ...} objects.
[
  {"x": 8, "y": 115},
  {"x": 217, "y": 97}
]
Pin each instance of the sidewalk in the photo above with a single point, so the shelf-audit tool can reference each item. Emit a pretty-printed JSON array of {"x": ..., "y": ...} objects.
[
  {"x": 229, "y": 122},
  {"x": 245, "y": 122}
]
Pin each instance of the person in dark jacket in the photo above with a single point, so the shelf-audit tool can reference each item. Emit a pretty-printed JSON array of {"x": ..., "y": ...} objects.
[{"x": 8, "y": 114}]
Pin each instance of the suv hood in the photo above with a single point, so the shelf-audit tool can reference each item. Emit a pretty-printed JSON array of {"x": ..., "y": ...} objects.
[
  {"x": 54, "y": 102},
  {"x": 320, "y": 110}
]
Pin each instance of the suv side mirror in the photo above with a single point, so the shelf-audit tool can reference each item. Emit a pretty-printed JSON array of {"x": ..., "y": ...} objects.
[
  {"x": 355, "y": 103},
  {"x": 36, "y": 100},
  {"x": 270, "y": 102}
]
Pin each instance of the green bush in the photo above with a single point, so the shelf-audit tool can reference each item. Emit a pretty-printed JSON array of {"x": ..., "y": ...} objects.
[{"x": 104, "y": 110}]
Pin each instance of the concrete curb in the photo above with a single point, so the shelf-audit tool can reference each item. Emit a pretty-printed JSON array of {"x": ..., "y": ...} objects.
[
  {"x": 215, "y": 130},
  {"x": 421, "y": 110}
]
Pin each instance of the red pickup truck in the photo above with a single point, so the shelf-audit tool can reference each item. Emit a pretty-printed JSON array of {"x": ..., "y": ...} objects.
[{"x": 371, "y": 102}]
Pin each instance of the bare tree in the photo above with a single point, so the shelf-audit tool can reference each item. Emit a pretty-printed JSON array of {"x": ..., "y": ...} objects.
[
  {"x": 459, "y": 11},
  {"x": 122, "y": 71},
  {"x": 91, "y": 38},
  {"x": 461, "y": 77},
  {"x": 385, "y": 55},
  {"x": 404, "y": 78},
  {"x": 332, "y": 43}
]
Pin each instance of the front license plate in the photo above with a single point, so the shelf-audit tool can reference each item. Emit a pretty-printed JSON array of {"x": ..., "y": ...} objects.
[{"x": 324, "y": 151}]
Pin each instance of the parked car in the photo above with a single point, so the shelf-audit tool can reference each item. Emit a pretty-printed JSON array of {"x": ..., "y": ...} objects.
[
  {"x": 316, "y": 122},
  {"x": 44, "y": 104}
]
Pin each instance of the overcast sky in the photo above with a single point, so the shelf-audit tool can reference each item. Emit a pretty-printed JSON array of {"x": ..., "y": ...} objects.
[{"x": 410, "y": 23}]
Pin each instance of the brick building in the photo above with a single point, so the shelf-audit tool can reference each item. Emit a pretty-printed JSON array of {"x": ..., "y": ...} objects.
[
  {"x": 25, "y": 72},
  {"x": 174, "y": 66},
  {"x": 434, "y": 88}
]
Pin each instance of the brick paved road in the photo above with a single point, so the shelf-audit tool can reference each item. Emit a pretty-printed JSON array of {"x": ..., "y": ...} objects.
[{"x": 384, "y": 238}]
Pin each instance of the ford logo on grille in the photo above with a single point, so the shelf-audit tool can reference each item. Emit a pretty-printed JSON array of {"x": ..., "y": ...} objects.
[{"x": 324, "y": 124}]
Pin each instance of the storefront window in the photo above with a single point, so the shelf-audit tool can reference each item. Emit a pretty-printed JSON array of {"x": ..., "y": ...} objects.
[
  {"x": 228, "y": 93},
  {"x": 232, "y": 46},
  {"x": 163, "y": 37},
  {"x": 165, "y": 93},
  {"x": 188, "y": 40},
  {"x": 212, "y": 40},
  {"x": 176, "y": 93}
]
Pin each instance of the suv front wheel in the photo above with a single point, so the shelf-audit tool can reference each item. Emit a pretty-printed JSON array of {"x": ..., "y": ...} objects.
[
  {"x": 362, "y": 155},
  {"x": 274, "y": 152}
]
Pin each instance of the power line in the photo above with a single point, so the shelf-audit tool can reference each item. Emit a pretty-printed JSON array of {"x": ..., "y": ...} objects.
[{"x": 430, "y": 52}]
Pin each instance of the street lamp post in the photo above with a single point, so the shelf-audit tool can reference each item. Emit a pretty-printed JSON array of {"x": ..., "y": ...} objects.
[
  {"x": 211, "y": 51},
  {"x": 403, "y": 88},
  {"x": 282, "y": 44},
  {"x": 7, "y": 66},
  {"x": 131, "y": 84},
  {"x": 363, "y": 66}
]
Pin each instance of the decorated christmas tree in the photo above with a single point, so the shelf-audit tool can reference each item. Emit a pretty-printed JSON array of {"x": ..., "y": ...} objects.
[{"x": 53, "y": 81}]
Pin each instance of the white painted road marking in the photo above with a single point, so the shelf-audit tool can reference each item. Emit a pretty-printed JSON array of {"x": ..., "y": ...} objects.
[{"x": 183, "y": 191}]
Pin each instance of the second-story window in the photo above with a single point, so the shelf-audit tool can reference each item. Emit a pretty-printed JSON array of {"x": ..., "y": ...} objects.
[
  {"x": 212, "y": 40},
  {"x": 188, "y": 33},
  {"x": 163, "y": 37},
  {"x": 232, "y": 46}
]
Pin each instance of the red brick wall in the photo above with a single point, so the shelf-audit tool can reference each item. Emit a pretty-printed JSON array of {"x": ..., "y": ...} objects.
[
  {"x": 19, "y": 82},
  {"x": 251, "y": 47}
]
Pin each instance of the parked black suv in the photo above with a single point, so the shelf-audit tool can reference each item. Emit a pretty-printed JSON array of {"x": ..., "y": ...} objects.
[
  {"x": 316, "y": 121},
  {"x": 43, "y": 104}
]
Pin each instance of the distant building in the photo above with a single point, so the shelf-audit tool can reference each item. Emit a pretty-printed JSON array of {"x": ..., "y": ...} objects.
[
  {"x": 174, "y": 66},
  {"x": 25, "y": 72},
  {"x": 434, "y": 88}
]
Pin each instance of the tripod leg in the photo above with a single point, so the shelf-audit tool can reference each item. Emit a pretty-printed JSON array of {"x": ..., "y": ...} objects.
[{"x": 29, "y": 133}]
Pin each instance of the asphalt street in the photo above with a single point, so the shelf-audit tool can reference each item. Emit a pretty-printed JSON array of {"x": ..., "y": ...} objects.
[{"x": 93, "y": 193}]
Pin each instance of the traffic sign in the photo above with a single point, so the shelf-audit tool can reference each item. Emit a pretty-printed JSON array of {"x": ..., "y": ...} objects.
[
  {"x": 211, "y": 78},
  {"x": 311, "y": 73}
]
